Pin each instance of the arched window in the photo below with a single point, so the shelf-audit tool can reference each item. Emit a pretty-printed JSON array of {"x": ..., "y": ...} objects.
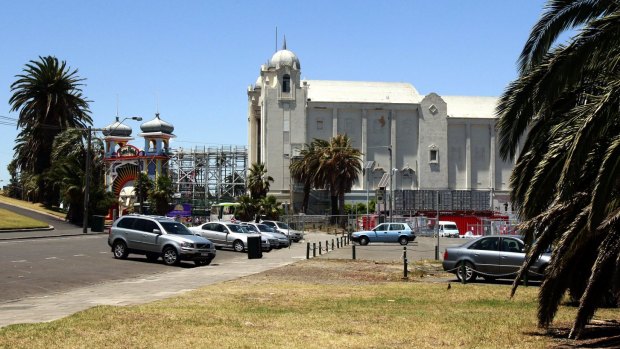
[{"x": 286, "y": 83}]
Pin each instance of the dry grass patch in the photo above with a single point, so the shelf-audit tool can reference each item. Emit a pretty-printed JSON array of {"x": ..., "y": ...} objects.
[{"x": 311, "y": 304}]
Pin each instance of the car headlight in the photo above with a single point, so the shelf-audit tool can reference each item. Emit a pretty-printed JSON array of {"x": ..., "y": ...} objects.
[{"x": 187, "y": 245}]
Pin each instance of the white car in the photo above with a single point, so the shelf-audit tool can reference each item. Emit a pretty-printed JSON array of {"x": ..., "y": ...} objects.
[
  {"x": 448, "y": 229},
  {"x": 225, "y": 234}
]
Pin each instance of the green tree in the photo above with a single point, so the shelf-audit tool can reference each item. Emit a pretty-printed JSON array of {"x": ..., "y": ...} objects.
[
  {"x": 248, "y": 208},
  {"x": 258, "y": 181},
  {"x": 565, "y": 183},
  {"x": 49, "y": 99},
  {"x": 339, "y": 166},
  {"x": 66, "y": 174},
  {"x": 143, "y": 185},
  {"x": 304, "y": 169},
  {"x": 270, "y": 207},
  {"x": 160, "y": 195}
]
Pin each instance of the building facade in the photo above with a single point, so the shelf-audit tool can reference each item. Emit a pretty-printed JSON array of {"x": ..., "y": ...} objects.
[{"x": 431, "y": 142}]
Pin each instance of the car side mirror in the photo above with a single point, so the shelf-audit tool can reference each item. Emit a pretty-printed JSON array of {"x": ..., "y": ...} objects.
[{"x": 157, "y": 231}]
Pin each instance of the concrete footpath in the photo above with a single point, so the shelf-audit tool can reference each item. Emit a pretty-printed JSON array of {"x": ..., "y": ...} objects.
[{"x": 148, "y": 288}]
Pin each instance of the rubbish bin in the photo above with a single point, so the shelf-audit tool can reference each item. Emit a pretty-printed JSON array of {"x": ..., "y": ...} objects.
[
  {"x": 97, "y": 223},
  {"x": 254, "y": 247}
]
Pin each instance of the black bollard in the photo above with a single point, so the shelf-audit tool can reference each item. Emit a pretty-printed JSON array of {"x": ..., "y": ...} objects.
[
  {"x": 405, "y": 262},
  {"x": 353, "y": 250},
  {"x": 326, "y": 245},
  {"x": 337, "y": 243},
  {"x": 308, "y": 250},
  {"x": 320, "y": 250},
  {"x": 332, "y": 244},
  {"x": 314, "y": 249}
]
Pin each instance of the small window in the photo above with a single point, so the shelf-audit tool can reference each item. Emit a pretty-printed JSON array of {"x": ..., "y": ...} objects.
[
  {"x": 286, "y": 83},
  {"x": 319, "y": 124},
  {"x": 433, "y": 156}
]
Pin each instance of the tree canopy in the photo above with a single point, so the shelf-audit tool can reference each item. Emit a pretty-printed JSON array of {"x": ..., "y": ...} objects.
[{"x": 562, "y": 112}]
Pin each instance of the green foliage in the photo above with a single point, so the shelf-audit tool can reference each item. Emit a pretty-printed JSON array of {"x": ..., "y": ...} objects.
[
  {"x": 258, "y": 181},
  {"x": 270, "y": 208},
  {"x": 49, "y": 99},
  {"x": 160, "y": 195},
  {"x": 565, "y": 182}
]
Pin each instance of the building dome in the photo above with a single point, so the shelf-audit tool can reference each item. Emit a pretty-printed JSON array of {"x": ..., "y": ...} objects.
[
  {"x": 284, "y": 58},
  {"x": 259, "y": 82},
  {"x": 117, "y": 129},
  {"x": 157, "y": 125}
]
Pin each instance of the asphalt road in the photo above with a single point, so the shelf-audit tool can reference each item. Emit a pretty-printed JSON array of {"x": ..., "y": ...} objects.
[{"x": 34, "y": 267}]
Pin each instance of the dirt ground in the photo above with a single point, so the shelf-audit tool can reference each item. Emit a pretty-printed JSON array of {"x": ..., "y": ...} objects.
[{"x": 599, "y": 334}]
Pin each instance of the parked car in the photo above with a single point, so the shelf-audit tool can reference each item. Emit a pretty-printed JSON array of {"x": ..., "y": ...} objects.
[
  {"x": 385, "y": 232},
  {"x": 155, "y": 237},
  {"x": 226, "y": 234},
  {"x": 277, "y": 239},
  {"x": 293, "y": 235},
  {"x": 492, "y": 257},
  {"x": 448, "y": 229}
]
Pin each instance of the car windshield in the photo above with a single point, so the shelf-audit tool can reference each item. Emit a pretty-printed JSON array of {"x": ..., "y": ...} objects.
[
  {"x": 250, "y": 228},
  {"x": 175, "y": 228},
  {"x": 264, "y": 228},
  {"x": 283, "y": 225},
  {"x": 236, "y": 228},
  {"x": 450, "y": 226}
]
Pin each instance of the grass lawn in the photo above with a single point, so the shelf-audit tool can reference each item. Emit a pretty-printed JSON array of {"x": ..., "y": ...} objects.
[
  {"x": 310, "y": 304},
  {"x": 33, "y": 206},
  {"x": 10, "y": 220}
]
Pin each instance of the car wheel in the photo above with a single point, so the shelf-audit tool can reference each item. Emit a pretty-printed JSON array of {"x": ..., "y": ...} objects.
[
  {"x": 152, "y": 257},
  {"x": 364, "y": 241},
  {"x": 238, "y": 246},
  {"x": 120, "y": 250},
  {"x": 403, "y": 240},
  {"x": 470, "y": 274},
  {"x": 171, "y": 256}
]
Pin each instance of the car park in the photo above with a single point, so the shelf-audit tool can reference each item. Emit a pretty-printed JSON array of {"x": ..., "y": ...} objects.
[
  {"x": 229, "y": 235},
  {"x": 156, "y": 236},
  {"x": 277, "y": 239},
  {"x": 492, "y": 257},
  {"x": 293, "y": 235},
  {"x": 385, "y": 232}
]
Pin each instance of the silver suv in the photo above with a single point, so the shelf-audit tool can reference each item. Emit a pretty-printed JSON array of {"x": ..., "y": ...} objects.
[{"x": 157, "y": 236}]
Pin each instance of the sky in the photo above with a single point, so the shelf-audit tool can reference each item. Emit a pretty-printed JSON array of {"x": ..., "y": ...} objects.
[{"x": 194, "y": 60}]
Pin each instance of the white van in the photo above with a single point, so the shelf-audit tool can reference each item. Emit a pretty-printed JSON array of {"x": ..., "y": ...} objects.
[{"x": 448, "y": 229}]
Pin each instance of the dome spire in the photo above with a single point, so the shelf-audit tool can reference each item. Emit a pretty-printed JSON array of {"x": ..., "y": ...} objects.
[{"x": 284, "y": 44}]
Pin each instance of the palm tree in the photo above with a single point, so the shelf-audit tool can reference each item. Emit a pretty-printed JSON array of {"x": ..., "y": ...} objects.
[
  {"x": 565, "y": 183},
  {"x": 258, "y": 181},
  {"x": 303, "y": 170},
  {"x": 339, "y": 166},
  {"x": 66, "y": 174},
  {"x": 269, "y": 207},
  {"x": 49, "y": 99},
  {"x": 161, "y": 195}
]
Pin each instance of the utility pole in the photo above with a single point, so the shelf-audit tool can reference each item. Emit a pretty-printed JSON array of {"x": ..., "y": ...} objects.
[{"x": 87, "y": 182}]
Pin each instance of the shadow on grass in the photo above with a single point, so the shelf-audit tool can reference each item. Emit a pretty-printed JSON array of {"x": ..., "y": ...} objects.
[{"x": 598, "y": 334}]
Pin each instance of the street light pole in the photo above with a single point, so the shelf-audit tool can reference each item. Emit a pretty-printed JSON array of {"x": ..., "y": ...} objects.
[
  {"x": 391, "y": 186},
  {"x": 87, "y": 182}
]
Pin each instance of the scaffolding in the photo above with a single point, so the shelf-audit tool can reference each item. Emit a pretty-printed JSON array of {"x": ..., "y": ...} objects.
[{"x": 208, "y": 175}]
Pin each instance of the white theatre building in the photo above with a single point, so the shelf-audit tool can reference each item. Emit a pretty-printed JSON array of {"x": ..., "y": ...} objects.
[{"x": 445, "y": 144}]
